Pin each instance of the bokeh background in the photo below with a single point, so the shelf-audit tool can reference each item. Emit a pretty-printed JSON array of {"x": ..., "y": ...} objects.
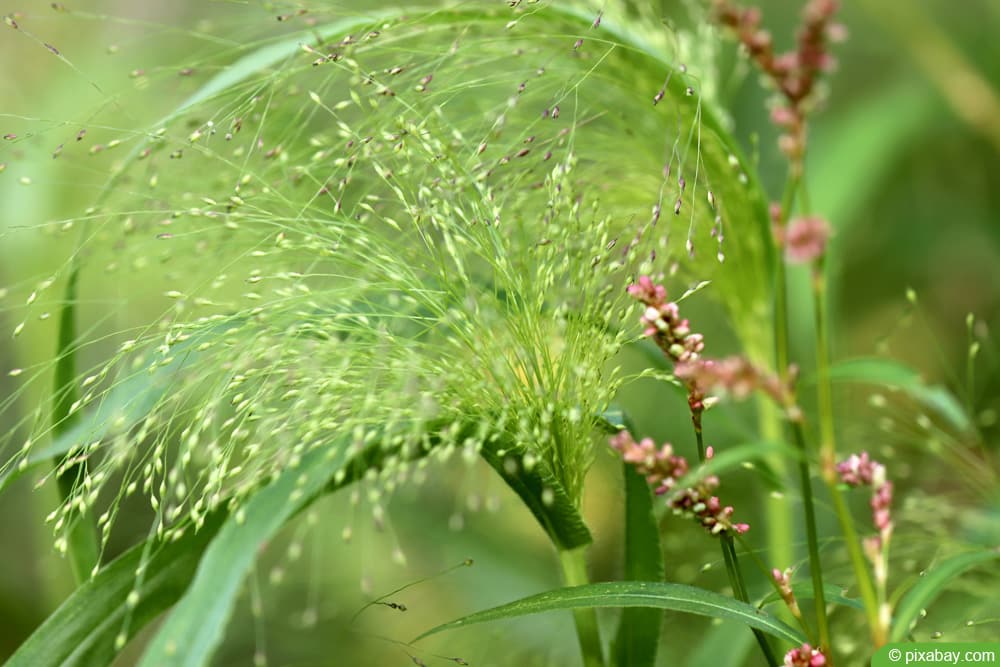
[{"x": 904, "y": 160}]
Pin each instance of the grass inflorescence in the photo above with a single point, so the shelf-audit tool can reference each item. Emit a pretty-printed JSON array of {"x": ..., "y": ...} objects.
[{"x": 401, "y": 228}]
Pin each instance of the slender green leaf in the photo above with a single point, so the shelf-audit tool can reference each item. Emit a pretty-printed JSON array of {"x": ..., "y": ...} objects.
[
  {"x": 93, "y": 624},
  {"x": 639, "y": 629},
  {"x": 83, "y": 630},
  {"x": 753, "y": 453},
  {"x": 195, "y": 627},
  {"x": 930, "y": 586},
  {"x": 542, "y": 494},
  {"x": 81, "y": 537},
  {"x": 804, "y": 591},
  {"x": 873, "y": 370},
  {"x": 674, "y": 597}
]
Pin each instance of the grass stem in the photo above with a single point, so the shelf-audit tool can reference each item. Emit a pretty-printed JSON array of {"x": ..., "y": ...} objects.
[{"x": 574, "y": 570}]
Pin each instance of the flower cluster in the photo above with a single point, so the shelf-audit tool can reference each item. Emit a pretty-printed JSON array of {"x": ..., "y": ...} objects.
[
  {"x": 861, "y": 470},
  {"x": 664, "y": 324},
  {"x": 805, "y": 239},
  {"x": 739, "y": 377},
  {"x": 805, "y": 656},
  {"x": 662, "y": 468},
  {"x": 783, "y": 580},
  {"x": 793, "y": 73}
]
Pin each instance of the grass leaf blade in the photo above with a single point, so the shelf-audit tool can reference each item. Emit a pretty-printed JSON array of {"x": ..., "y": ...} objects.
[
  {"x": 674, "y": 597},
  {"x": 930, "y": 586},
  {"x": 639, "y": 629},
  {"x": 83, "y": 630},
  {"x": 81, "y": 536},
  {"x": 195, "y": 627}
]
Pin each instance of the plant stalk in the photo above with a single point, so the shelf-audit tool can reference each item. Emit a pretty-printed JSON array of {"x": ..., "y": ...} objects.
[
  {"x": 574, "y": 570},
  {"x": 782, "y": 359},
  {"x": 736, "y": 580},
  {"x": 812, "y": 538},
  {"x": 828, "y": 454}
]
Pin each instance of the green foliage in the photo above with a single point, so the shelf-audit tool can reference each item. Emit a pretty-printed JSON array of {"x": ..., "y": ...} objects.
[
  {"x": 386, "y": 239},
  {"x": 92, "y": 625},
  {"x": 658, "y": 595},
  {"x": 196, "y": 625},
  {"x": 81, "y": 540},
  {"x": 893, "y": 374},
  {"x": 639, "y": 629},
  {"x": 932, "y": 584}
]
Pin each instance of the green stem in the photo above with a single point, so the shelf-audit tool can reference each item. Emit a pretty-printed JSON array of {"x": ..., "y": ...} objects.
[
  {"x": 812, "y": 538},
  {"x": 742, "y": 594},
  {"x": 865, "y": 585},
  {"x": 766, "y": 571},
  {"x": 824, "y": 389},
  {"x": 782, "y": 357},
  {"x": 828, "y": 454},
  {"x": 776, "y": 506},
  {"x": 780, "y": 280},
  {"x": 736, "y": 580},
  {"x": 970, "y": 366},
  {"x": 574, "y": 569}
]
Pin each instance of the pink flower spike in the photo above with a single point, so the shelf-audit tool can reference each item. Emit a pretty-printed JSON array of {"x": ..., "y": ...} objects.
[
  {"x": 805, "y": 656},
  {"x": 806, "y": 239}
]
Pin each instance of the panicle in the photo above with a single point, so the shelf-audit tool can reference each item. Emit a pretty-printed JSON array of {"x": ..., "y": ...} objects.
[
  {"x": 662, "y": 469},
  {"x": 794, "y": 73},
  {"x": 663, "y": 323},
  {"x": 739, "y": 377}
]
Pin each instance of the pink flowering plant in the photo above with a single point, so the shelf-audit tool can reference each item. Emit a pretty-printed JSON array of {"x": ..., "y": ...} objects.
[{"x": 455, "y": 283}]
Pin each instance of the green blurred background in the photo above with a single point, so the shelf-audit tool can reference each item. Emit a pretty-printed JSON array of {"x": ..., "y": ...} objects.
[{"x": 904, "y": 160}]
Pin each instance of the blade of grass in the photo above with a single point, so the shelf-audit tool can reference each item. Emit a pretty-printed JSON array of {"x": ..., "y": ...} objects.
[
  {"x": 930, "y": 586},
  {"x": 81, "y": 537},
  {"x": 84, "y": 629},
  {"x": 891, "y": 373},
  {"x": 639, "y": 629},
  {"x": 674, "y": 597},
  {"x": 543, "y": 495},
  {"x": 195, "y": 627}
]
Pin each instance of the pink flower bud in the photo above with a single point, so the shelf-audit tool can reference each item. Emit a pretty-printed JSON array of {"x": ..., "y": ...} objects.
[{"x": 805, "y": 239}]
